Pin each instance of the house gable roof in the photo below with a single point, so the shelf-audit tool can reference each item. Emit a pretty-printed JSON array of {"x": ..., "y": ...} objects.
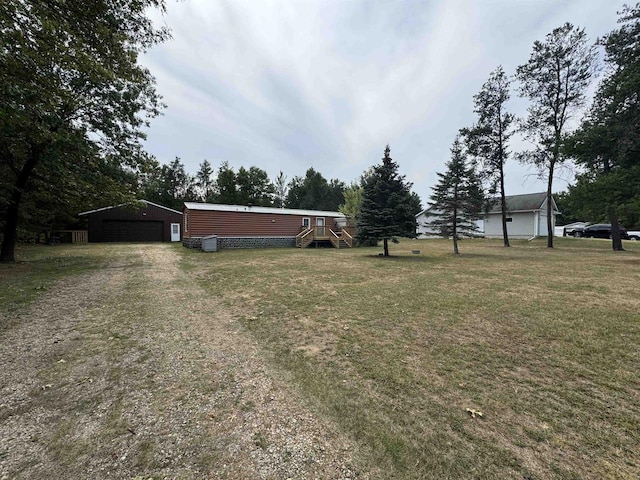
[
  {"x": 249, "y": 209},
  {"x": 89, "y": 212},
  {"x": 527, "y": 202}
]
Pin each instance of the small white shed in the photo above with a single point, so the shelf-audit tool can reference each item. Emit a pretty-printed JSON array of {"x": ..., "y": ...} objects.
[{"x": 526, "y": 216}]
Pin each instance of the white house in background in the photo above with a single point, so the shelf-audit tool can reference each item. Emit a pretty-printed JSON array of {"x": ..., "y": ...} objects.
[
  {"x": 426, "y": 216},
  {"x": 526, "y": 216}
]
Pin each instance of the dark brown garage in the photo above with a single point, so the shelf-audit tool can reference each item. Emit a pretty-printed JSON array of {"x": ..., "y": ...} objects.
[{"x": 142, "y": 221}]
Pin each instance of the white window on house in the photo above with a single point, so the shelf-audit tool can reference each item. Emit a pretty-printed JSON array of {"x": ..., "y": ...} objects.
[
  {"x": 306, "y": 222},
  {"x": 186, "y": 220}
]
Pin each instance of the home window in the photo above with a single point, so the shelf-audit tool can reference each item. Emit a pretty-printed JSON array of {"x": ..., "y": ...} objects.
[
  {"x": 306, "y": 222},
  {"x": 186, "y": 222},
  {"x": 509, "y": 219}
]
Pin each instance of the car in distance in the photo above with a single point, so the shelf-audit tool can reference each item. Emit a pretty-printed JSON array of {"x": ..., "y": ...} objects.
[
  {"x": 574, "y": 229},
  {"x": 602, "y": 230},
  {"x": 633, "y": 234}
]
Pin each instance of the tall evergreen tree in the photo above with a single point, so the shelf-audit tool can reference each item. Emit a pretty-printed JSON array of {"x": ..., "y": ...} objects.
[
  {"x": 416, "y": 203},
  {"x": 314, "y": 192},
  {"x": 457, "y": 199},
  {"x": 488, "y": 139},
  {"x": 168, "y": 185},
  {"x": 178, "y": 185},
  {"x": 281, "y": 189},
  {"x": 386, "y": 212},
  {"x": 226, "y": 185},
  {"x": 555, "y": 80},
  {"x": 254, "y": 187},
  {"x": 205, "y": 182}
]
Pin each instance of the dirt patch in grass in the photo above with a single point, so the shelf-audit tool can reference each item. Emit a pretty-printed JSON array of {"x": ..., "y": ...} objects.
[{"x": 134, "y": 370}]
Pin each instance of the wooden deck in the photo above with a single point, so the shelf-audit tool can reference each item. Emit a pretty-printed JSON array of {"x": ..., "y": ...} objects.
[{"x": 341, "y": 239}]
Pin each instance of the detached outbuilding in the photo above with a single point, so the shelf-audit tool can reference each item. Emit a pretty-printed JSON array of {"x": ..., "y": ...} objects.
[
  {"x": 526, "y": 216},
  {"x": 142, "y": 221},
  {"x": 239, "y": 226}
]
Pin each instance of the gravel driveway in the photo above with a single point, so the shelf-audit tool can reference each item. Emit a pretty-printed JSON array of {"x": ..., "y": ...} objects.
[{"x": 134, "y": 371}]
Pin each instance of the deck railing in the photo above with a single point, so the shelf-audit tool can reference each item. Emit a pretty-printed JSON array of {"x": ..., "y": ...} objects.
[
  {"x": 304, "y": 238},
  {"x": 309, "y": 234},
  {"x": 346, "y": 236},
  {"x": 334, "y": 238}
]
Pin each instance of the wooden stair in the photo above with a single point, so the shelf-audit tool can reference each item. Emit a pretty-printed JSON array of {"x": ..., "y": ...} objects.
[{"x": 311, "y": 234}]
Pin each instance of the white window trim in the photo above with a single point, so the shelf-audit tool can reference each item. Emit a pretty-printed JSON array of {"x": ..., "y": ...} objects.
[{"x": 308, "y": 222}]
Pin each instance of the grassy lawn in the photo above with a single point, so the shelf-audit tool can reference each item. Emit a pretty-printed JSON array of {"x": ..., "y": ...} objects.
[
  {"x": 37, "y": 267},
  {"x": 545, "y": 343}
]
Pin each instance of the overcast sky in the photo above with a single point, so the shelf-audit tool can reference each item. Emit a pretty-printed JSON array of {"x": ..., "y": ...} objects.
[{"x": 288, "y": 85}]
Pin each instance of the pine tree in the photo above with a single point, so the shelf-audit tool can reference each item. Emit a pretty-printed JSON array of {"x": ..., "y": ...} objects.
[
  {"x": 457, "y": 199},
  {"x": 281, "y": 189},
  {"x": 555, "y": 80},
  {"x": 607, "y": 144},
  {"x": 386, "y": 210},
  {"x": 205, "y": 182},
  {"x": 488, "y": 139},
  {"x": 226, "y": 185}
]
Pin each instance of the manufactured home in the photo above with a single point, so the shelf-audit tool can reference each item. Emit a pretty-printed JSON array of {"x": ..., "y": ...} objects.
[{"x": 240, "y": 226}]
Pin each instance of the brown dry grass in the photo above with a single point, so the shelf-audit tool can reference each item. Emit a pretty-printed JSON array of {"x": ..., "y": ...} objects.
[
  {"x": 544, "y": 342},
  {"x": 321, "y": 363}
]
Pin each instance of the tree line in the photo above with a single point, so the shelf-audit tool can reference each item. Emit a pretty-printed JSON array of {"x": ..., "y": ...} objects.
[
  {"x": 605, "y": 145},
  {"x": 171, "y": 185},
  {"x": 75, "y": 103}
]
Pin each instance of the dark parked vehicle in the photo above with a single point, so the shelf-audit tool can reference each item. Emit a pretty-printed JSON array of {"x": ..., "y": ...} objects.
[{"x": 603, "y": 230}]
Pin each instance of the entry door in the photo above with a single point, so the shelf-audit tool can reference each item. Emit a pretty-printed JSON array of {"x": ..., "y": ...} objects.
[
  {"x": 175, "y": 232},
  {"x": 320, "y": 226}
]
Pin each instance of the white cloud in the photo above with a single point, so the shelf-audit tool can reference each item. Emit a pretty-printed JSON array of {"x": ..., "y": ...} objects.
[{"x": 286, "y": 85}]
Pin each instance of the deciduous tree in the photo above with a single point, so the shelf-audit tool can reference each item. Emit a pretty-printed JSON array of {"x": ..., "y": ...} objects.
[
  {"x": 555, "y": 80},
  {"x": 352, "y": 202},
  {"x": 72, "y": 91}
]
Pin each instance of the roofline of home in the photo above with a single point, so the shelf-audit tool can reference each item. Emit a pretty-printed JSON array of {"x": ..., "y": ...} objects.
[
  {"x": 219, "y": 207},
  {"x": 129, "y": 203}
]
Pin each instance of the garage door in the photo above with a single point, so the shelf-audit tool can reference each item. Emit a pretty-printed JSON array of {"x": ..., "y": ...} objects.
[{"x": 131, "y": 231}]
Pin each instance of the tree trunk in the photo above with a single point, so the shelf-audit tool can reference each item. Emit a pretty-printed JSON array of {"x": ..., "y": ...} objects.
[
  {"x": 550, "y": 208},
  {"x": 455, "y": 231},
  {"x": 7, "y": 252},
  {"x": 616, "y": 239},
  {"x": 503, "y": 207},
  {"x": 386, "y": 247}
]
